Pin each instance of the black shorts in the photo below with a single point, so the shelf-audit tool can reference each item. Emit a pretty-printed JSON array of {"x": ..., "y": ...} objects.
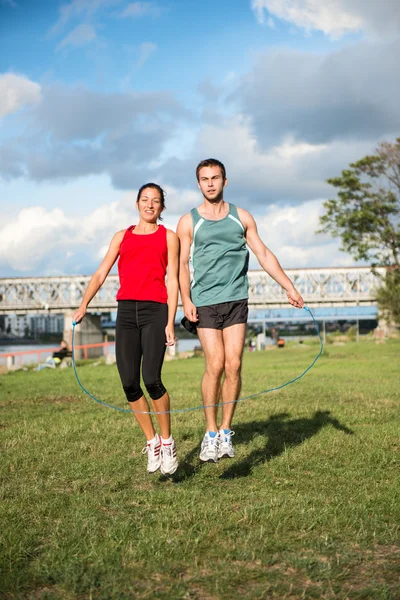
[{"x": 221, "y": 316}]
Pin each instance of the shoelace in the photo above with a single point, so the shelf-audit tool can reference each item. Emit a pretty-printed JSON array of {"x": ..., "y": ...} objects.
[
  {"x": 147, "y": 448},
  {"x": 227, "y": 437}
]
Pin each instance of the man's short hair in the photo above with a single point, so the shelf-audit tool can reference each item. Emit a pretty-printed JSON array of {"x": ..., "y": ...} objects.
[{"x": 211, "y": 162}]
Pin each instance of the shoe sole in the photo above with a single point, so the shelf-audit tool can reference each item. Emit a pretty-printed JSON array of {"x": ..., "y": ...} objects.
[
  {"x": 155, "y": 470},
  {"x": 209, "y": 460},
  {"x": 169, "y": 472}
]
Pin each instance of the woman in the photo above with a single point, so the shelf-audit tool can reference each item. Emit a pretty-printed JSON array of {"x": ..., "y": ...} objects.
[{"x": 145, "y": 318}]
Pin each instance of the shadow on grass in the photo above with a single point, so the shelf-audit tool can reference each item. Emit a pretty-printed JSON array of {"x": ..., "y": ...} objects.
[{"x": 279, "y": 431}]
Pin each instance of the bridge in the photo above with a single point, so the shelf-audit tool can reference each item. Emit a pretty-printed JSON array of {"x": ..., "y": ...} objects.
[
  {"x": 350, "y": 286},
  {"x": 326, "y": 287}
]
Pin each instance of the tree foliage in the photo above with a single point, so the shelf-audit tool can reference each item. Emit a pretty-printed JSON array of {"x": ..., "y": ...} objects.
[
  {"x": 366, "y": 216},
  {"x": 388, "y": 297},
  {"x": 366, "y": 212}
]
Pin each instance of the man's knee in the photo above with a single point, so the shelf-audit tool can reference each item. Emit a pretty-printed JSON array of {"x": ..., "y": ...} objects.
[
  {"x": 215, "y": 368},
  {"x": 233, "y": 366}
]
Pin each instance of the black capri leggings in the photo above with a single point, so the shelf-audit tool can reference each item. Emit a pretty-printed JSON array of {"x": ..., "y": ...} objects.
[{"x": 140, "y": 333}]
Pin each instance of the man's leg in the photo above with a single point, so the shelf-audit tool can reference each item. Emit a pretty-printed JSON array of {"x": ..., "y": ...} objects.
[
  {"x": 233, "y": 342},
  {"x": 212, "y": 343}
]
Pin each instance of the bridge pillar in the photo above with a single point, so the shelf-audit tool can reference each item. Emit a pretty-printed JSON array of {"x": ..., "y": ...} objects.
[{"x": 87, "y": 332}]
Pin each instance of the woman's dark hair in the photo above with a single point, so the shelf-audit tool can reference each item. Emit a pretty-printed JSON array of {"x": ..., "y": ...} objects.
[{"x": 159, "y": 189}]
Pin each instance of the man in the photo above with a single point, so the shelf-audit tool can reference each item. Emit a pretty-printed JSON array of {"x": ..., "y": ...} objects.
[{"x": 215, "y": 236}]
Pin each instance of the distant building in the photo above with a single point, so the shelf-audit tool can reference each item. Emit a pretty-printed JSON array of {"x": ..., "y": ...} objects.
[
  {"x": 17, "y": 325},
  {"x": 32, "y": 325},
  {"x": 47, "y": 324}
]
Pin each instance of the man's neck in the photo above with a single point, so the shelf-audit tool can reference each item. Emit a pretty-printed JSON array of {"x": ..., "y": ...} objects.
[{"x": 214, "y": 210}]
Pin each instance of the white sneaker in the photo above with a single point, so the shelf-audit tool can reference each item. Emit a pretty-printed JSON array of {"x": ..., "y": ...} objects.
[
  {"x": 225, "y": 448},
  {"x": 169, "y": 461},
  {"x": 209, "y": 448},
  {"x": 153, "y": 454}
]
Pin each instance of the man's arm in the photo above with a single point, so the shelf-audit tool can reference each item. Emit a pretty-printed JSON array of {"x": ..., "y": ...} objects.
[
  {"x": 184, "y": 232},
  {"x": 268, "y": 260}
]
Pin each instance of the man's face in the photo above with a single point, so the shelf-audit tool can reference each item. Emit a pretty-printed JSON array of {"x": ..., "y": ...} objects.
[{"x": 211, "y": 183}]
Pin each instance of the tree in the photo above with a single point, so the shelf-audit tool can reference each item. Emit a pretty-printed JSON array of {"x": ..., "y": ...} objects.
[
  {"x": 366, "y": 216},
  {"x": 388, "y": 297}
]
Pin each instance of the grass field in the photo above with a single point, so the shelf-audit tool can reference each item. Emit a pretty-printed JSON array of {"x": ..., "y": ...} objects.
[{"x": 309, "y": 507}]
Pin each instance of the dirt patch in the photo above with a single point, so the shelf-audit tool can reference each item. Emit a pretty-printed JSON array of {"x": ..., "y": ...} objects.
[
  {"x": 62, "y": 400},
  {"x": 381, "y": 566}
]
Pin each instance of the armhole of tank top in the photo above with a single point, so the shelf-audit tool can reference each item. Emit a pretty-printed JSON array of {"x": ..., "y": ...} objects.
[
  {"x": 197, "y": 221},
  {"x": 164, "y": 233},
  {"x": 128, "y": 231},
  {"x": 235, "y": 217}
]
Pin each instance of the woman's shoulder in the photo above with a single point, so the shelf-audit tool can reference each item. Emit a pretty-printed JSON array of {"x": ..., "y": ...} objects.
[
  {"x": 122, "y": 232},
  {"x": 172, "y": 238}
]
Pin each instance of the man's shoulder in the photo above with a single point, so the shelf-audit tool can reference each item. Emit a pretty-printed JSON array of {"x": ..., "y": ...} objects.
[
  {"x": 244, "y": 215},
  {"x": 184, "y": 223}
]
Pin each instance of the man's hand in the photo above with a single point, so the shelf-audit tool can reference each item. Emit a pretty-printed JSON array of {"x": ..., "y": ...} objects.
[
  {"x": 190, "y": 311},
  {"x": 294, "y": 298}
]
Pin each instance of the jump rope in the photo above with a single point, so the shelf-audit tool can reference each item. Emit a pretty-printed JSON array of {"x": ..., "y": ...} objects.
[{"x": 201, "y": 406}]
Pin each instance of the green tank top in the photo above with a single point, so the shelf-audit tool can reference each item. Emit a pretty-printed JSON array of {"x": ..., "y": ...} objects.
[{"x": 220, "y": 259}]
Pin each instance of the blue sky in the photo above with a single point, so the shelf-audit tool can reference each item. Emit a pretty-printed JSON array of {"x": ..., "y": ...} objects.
[{"x": 99, "y": 96}]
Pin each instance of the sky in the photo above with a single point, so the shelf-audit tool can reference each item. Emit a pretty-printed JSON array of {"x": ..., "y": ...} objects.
[{"x": 98, "y": 97}]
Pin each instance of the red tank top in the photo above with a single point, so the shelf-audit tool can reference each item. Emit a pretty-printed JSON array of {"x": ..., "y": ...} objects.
[{"x": 142, "y": 266}]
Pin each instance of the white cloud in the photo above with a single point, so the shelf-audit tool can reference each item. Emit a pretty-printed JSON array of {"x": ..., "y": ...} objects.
[
  {"x": 140, "y": 9},
  {"x": 258, "y": 176},
  {"x": 146, "y": 49},
  {"x": 331, "y": 17},
  {"x": 16, "y": 91},
  {"x": 289, "y": 232},
  {"x": 80, "y": 36},
  {"x": 27, "y": 240},
  {"x": 335, "y": 18},
  {"x": 79, "y": 8},
  {"x": 50, "y": 242}
]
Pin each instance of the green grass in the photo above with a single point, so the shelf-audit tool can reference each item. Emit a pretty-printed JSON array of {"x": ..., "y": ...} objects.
[{"x": 309, "y": 507}]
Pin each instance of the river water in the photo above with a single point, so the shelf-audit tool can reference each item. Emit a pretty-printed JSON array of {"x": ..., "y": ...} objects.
[{"x": 32, "y": 350}]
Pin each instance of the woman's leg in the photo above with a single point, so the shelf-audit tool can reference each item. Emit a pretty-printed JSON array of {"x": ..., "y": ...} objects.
[
  {"x": 155, "y": 318},
  {"x": 129, "y": 354}
]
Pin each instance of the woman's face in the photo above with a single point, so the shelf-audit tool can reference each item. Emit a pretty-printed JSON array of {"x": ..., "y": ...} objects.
[{"x": 149, "y": 205}]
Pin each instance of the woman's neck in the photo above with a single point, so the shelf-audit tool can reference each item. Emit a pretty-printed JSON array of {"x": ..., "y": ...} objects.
[{"x": 144, "y": 227}]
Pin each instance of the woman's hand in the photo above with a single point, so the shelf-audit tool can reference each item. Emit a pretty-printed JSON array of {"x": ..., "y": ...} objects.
[
  {"x": 170, "y": 335},
  {"x": 79, "y": 314}
]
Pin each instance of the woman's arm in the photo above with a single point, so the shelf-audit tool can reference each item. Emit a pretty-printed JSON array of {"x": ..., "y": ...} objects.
[
  {"x": 100, "y": 275},
  {"x": 172, "y": 284}
]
